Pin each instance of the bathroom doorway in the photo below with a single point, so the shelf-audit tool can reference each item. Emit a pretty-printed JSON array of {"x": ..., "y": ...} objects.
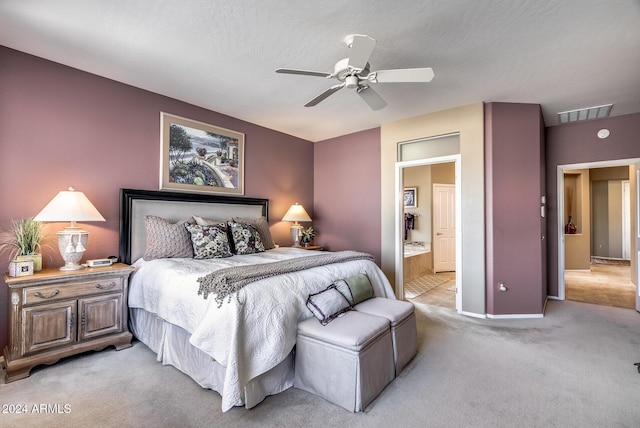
[{"x": 416, "y": 279}]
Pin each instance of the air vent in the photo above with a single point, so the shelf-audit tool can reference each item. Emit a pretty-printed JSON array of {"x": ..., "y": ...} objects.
[{"x": 597, "y": 112}]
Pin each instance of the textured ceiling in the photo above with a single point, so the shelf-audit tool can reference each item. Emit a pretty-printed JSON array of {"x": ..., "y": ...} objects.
[{"x": 221, "y": 55}]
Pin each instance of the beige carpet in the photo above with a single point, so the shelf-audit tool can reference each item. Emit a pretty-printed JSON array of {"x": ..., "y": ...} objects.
[
  {"x": 422, "y": 285},
  {"x": 572, "y": 368}
]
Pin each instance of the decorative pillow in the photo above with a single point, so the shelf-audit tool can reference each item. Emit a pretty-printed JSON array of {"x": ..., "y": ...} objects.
[
  {"x": 327, "y": 304},
  {"x": 209, "y": 242},
  {"x": 207, "y": 221},
  {"x": 355, "y": 289},
  {"x": 262, "y": 225},
  {"x": 342, "y": 286},
  {"x": 246, "y": 239},
  {"x": 166, "y": 239}
]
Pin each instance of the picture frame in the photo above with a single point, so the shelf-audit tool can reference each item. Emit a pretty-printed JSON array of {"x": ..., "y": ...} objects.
[
  {"x": 200, "y": 157},
  {"x": 410, "y": 197}
]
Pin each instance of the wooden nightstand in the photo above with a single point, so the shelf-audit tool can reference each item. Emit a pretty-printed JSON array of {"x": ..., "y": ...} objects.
[{"x": 54, "y": 314}]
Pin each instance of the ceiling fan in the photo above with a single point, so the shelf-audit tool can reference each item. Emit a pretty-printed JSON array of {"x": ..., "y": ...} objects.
[{"x": 354, "y": 73}]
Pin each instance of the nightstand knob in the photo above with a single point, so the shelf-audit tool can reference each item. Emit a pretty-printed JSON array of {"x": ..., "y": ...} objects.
[{"x": 42, "y": 296}]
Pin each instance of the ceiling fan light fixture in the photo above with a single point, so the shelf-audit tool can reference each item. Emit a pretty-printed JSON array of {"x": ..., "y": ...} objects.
[
  {"x": 597, "y": 112},
  {"x": 351, "y": 82}
]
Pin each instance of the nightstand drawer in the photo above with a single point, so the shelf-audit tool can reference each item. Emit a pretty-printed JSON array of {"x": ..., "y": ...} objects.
[{"x": 49, "y": 293}]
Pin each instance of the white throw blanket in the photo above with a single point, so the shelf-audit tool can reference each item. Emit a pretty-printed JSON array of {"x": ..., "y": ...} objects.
[{"x": 248, "y": 338}]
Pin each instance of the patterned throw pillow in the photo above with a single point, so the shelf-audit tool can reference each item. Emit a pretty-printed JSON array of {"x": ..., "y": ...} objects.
[
  {"x": 166, "y": 239},
  {"x": 262, "y": 226},
  {"x": 328, "y": 304},
  {"x": 209, "y": 242},
  {"x": 246, "y": 239}
]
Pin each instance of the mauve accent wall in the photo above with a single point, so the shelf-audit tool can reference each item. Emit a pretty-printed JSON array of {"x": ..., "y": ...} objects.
[
  {"x": 577, "y": 143},
  {"x": 347, "y": 192},
  {"x": 60, "y": 126},
  {"x": 514, "y": 227}
]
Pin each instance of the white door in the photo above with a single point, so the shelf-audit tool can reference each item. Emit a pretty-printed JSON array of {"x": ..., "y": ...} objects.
[{"x": 444, "y": 228}]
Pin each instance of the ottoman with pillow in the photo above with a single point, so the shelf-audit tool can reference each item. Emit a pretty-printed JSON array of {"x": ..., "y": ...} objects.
[
  {"x": 401, "y": 316},
  {"x": 344, "y": 356}
]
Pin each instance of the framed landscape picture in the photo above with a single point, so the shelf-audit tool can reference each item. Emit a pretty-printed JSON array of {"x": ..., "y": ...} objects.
[{"x": 199, "y": 157}]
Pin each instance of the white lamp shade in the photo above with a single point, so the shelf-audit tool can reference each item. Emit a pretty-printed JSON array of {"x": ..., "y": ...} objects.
[
  {"x": 296, "y": 213},
  {"x": 69, "y": 205},
  {"x": 72, "y": 206}
]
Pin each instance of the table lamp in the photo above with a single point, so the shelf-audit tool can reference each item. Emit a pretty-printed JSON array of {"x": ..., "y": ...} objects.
[
  {"x": 72, "y": 206},
  {"x": 296, "y": 213}
]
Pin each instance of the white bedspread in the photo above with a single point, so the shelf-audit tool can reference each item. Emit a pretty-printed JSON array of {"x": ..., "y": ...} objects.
[{"x": 247, "y": 338}]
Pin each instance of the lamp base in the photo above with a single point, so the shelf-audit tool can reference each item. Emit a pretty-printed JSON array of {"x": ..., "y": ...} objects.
[
  {"x": 72, "y": 243},
  {"x": 72, "y": 266},
  {"x": 296, "y": 233}
]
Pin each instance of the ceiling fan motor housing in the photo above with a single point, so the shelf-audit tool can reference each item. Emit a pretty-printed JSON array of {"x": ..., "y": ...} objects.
[{"x": 342, "y": 70}]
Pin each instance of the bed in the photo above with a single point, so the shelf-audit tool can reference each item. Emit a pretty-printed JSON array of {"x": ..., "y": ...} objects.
[{"x": 241, "y": 345}]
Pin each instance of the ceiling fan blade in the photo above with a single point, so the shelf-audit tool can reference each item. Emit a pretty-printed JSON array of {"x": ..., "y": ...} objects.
[
  {"x": 324, "y": 95},
  {"x": 361, "y": 49},
  {"x": 302, "y": 72},
  {"x": 371, "y": 97},
  {"x": 402, "y": 75}
]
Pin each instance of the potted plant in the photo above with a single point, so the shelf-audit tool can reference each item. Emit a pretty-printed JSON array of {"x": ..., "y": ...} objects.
[
  {"x": 24, "y": 241},
  {"x": 307, "y": 236}
]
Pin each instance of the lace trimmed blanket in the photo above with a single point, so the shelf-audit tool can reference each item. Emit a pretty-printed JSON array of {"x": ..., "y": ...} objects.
[{"x": 224, "y": 282}]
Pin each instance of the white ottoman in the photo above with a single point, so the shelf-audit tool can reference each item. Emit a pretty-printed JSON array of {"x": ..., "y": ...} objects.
[
  {"x": 347, "y": 362},
  {"x": 402, "y": 317}
]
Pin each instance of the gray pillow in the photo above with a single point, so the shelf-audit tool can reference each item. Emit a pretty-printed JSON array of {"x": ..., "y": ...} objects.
[
  {"x": 209, "y": 242},
  {"x": 166, "y": 239},
  {"x": 327, "y": 304},
  {"x": 207, "y": 221}
]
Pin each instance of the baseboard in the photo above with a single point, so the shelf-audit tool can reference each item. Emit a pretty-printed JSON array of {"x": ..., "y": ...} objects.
[
  {"x": 474, "y": 315},
  {"x": 515, "y": 316}
]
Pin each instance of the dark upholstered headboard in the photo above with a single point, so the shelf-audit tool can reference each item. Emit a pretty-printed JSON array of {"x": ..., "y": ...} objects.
[{"x": 175, "y": 206}]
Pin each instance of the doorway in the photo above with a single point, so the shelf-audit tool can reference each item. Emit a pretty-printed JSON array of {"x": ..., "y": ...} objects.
[
  {"x": 448, "y": 290},
  {"x": 588, "y": 270}
]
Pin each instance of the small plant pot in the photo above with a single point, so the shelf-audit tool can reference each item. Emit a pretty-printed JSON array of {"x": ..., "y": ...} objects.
[{"x": 36, "y": 258}]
